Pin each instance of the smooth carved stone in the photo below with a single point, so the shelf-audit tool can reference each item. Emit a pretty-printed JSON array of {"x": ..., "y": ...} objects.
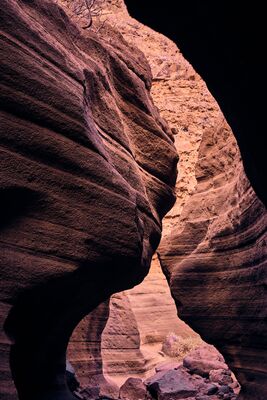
[
  {"x": 146, "y": 314},
  {"x": 215, "y": 254},
  {"x": 87, "y": 173},
  {"x": 84, "y": 351},
  {"x": 165, "y": 366},
  {"x": 215, "y": 259}
]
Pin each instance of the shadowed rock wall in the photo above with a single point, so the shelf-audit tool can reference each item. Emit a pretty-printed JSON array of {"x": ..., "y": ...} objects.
[
  {"x": 87, "y": 173},
  {"x": 215, "y": 255},
  {"x": 223, "y": 219},
  {"x": 215, "y": 262}
]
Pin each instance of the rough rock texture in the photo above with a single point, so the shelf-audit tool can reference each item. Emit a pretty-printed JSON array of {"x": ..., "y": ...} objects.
[
  {"x": 133, "y": 336},
  {"x": 172, "y": 384},
  {"x": 87, "y": 169},
  {"x": 128, "y": 334},
  {"x": 203, "y": 360},
  {"x": 178, "y": 382},
  {"x": 184, "y": 101},
  {"x": 139, "y": 321},
  {"x": 215, "y": 260},
  {"x": 222, "y": 226},
  {"x": 215, "y": 250},
  {"x": 134, "y": 389},
  {"x": 217, "y": 39}
]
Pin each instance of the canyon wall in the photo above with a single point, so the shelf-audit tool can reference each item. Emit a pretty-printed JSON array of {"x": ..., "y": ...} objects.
[
  {"x": 87, "y": 173},
  {"x": 218, "y": 40},
  {"x": 186, "y": 104},
  {"x": 214, "y": 237},
  {"x": 214, "y": 254},
  {"x": 215, "y": 261}
]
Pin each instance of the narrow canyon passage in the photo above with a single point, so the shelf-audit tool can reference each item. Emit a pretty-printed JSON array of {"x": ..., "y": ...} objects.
[
  {"x": 92, "y": 123},
  {"x": 210, "y": 165}
]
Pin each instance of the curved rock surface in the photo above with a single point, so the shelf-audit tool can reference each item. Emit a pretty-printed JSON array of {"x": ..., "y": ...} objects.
[
  {"x": 217, "y": 39},
  {"x": 215, "y": 255},
  {"x": 221, "y": 230},
  {"x": 87, "y": 173},
  {"x": 191, "y": 111},
  {"x": 140, "y": 319},
  {"x": 215, "y": 261}
]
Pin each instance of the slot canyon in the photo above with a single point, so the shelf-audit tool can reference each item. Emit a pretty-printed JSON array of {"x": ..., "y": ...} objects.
[{"x": 132, "y": 190}]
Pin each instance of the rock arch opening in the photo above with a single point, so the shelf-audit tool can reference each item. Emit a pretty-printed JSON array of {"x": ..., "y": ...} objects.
[
  {"x": 216, "y": 206},
  {"x": 213, "y": 249}
]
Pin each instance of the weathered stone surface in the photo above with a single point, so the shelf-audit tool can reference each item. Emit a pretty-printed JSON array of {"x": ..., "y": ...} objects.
[
  {"x": 222, "y": 249},
  {"x": 91, "y": 393},
  {"x": 228, "y": 204},
  {"x": 165, "y": 366},
  {"x": 215, "y": 253},
  {"x": 171, "y": 384},
  {"x": 215, "y": 37},
  {"x": 134, "y": 389},
  {"x": 139, "y": 324},
  {"x": 220, "y": 252},
  {"x": 203, "y": 360},
  {"x": 204, "y": 387},
  {"x": 211, "y": 389},
  {"x": 87, "y": 169},
  {"x": 221, "y": 376},
  {"x": 84, "y": 351}
]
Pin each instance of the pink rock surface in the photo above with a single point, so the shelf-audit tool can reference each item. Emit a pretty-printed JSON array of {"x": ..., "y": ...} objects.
[
  {"x": 134, "y": 389},
  {"x": 87, "y": 173},
  {"x": 215, "y": 261},
  {"x": 204, "y": 359},
  {"x": 216, "y": 243},
  {"x": 173, "y": 384},
  {"x": 221, "y": 376}
]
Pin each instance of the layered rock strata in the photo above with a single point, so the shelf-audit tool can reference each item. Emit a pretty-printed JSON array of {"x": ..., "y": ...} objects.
[
  {"x": 217, "y": 245},
  {"x": 217, "y": 39},
  {"x": 215, "y": 261},
  {"x": 184, "y": 101},
  {"x": 214, "y": 255},
  {"x": 87, "y": 173}
]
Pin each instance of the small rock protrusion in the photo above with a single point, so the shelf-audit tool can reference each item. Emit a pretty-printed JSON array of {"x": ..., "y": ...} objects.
[
  {"x": 133, "y": 389},
  {"x": 211, "y": 389},
  {"x": 221, "y": 376}
]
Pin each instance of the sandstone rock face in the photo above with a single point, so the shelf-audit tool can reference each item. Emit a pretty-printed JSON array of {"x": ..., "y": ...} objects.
[
  {"x": 173, "y": 384},
  {"x": 222, "y": 226},
  {"x": 203, "y": 360},
  {"x": 216, "y": 243},
  {"x": 140, "y": 319},
  {"x": 134, "y": 389},
  {"x": 215, "y": 261},
  {"x": 231, "y": 214},
  {"x": 128, "y": 334},
  {"x": 87, "y": 173},
  {"x": 180, "y": 382},
  {"x": 217, "y": 39},
  {"x": 85, "y": 353}
]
